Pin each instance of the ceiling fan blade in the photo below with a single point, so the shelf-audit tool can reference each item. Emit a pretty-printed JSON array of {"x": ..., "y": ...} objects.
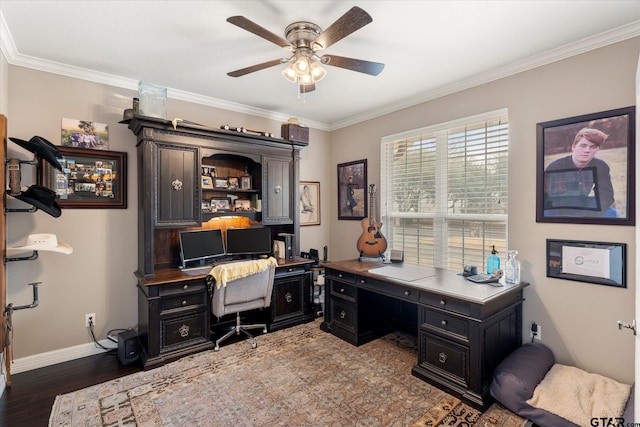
[
  {"x": 351, "y": 21},
  {"x": 359, "y": 65},
  {"x": 257, "y": 67},
  {"x": 307, "y": 88},
  {"x": 256, "y": 29}
]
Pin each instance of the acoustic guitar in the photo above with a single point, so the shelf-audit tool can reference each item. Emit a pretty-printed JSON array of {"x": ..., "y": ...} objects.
[{"x": 371, "y": 243}]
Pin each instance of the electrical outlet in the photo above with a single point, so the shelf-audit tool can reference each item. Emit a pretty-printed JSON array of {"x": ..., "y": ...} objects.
[
  {"x": 538, "y": 331},
  {"x": 88, "y": 316}
]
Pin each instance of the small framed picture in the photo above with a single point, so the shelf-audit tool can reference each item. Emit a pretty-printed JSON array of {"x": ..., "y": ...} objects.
[
  {"x": 245, "y": 182},
  {"x": 207, "y": 182},
  {"x": 232, "y": 182},
  {"x": 208, "y": 171},
  {"x": 220, "y": 204},
  {"x": 206, "y": 207},
  {"x": 220, "y": 183},
  {"x": 243, "y": 205}
]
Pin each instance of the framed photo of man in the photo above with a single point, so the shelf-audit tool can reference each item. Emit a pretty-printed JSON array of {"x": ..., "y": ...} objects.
[
  {"x": 352, "y": 190},
  {"x": 585, "y": 169}
]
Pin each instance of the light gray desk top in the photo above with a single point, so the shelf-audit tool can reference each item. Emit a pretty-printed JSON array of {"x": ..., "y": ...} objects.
[{"x": 436, "y": 280}]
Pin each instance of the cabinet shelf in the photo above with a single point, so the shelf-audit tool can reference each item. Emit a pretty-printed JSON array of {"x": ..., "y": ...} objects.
[
  {"x": 254, "y": 216},
  {"x": 230, "y": 190}
]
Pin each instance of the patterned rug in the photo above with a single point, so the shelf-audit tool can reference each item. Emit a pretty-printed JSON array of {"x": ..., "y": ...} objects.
[{"x": 299, "y": 376}]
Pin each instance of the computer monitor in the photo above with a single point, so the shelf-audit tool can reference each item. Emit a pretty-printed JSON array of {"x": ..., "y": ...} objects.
[
  {"x": 248, "y": 241},
  {"x": 201, "y": 245}
]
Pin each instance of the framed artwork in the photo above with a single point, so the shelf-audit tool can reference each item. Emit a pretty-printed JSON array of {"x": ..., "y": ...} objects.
[
  {"x": 89, "y": 178},
  {"x": 208, "y": 171},
  {"x": 586, "y": 169},
  {"x": 84, "y": 134},
  {"x": 220, "y": 183},
  {"x": 207, "y": 181},
  {"x": 309, "y": 203},
  {"x": 245, "y": 182},
  {"x": 352, "y": 190},
  {"x": 220, "y": 205},
  {"x": 592, "y": 262}
]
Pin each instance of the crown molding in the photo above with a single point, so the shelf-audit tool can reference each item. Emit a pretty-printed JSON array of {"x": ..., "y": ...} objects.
[{"x": 572, "y": 49}]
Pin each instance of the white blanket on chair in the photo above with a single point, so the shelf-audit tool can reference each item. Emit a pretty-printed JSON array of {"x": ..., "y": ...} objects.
[
  {"x": 224, "y": 273},
  {"x": 578, "y": 396}
]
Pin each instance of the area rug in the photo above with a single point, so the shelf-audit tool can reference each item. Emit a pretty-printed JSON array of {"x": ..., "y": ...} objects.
[{"x": 300, "y": 376}]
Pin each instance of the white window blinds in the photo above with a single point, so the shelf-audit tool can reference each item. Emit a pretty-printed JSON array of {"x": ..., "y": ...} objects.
[{"x": 443, "y": 191}]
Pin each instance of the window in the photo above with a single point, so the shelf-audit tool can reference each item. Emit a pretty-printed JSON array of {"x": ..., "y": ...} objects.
[{"x": 443, "y": 191}]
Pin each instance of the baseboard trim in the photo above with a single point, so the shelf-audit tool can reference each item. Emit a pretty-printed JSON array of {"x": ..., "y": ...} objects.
[{"x": 54, "y": 357}]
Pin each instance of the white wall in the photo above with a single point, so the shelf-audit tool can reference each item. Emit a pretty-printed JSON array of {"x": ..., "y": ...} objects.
[{"x": 578, "y": 320}]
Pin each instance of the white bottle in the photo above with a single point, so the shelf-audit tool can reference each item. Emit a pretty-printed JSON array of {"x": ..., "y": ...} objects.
[{"x": 512, "y": 268}]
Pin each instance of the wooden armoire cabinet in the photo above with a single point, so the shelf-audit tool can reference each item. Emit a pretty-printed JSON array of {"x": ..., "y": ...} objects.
[{"x": 176, "y": 187}]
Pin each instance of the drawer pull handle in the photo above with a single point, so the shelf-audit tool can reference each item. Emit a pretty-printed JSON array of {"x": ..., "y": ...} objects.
[
  {"x": 185, "y": 287},
  {"x": 362, "y": 281},
  {"x": 288, "y": 297},
  {"x": 184, "y": 331},
  {"x": 341, "y": 290},
  {"x": 442, "y": 357},
  {"x": 443, "y": 323},
  {"x": 184, "y": 302},
  {"x": 443, "y": 302},
  {"x": 290, "y": 270},
  {"x": 340, "y": 276},
  {"x": 407, "y": 293},
  {"x": 343, "y": 314}
]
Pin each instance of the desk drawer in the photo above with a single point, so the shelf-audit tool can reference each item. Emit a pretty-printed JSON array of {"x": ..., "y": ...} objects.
[
  {"x": 182, "y": 331},
  {"x": 182, "y": 287},
  {"x": 401, "y": 292},
  {"x": 343, "y": 290},
  {"x": 443, "y": 322},
  {"x": 444, "y": 358},
  {"x": 344, "y": 315},
  {"x": 182, "y": 301},
  {"x": 339, "y": 275},
  {"x": 445, "y": 303}
]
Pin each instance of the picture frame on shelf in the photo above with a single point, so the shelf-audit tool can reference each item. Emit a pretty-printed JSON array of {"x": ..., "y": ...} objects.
[
  {"x": 220, "y": 204},
  {"x": 586, "y": 169},
  {"x": 90, "y": 179},
  {"x": 220, "y": 183},
  {"x": 245, "y": 182},
  {"x": 232, "y": 182},
  {"x": 242, "y": 205},
  {"x": 599, "y": 263},
  {"x": 206, "y": 181},
  {"x": 309, "y": 203},
  {"x": 352, "y": 190},
  {"x": 208, "y": 170}
]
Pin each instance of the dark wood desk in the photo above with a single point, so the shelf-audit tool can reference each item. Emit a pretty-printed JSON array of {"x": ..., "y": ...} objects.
[{"x": 464, "y": 329}]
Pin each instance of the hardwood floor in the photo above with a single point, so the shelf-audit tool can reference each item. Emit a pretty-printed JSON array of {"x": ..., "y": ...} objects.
[{"x": 29, "y": 400}]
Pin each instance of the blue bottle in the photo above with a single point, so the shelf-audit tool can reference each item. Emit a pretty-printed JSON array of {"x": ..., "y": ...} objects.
[{"x": 493, "y": 262}]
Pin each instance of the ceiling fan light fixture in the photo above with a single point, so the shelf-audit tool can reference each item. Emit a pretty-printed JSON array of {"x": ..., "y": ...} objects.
[
  {"x": 317, "y": 72},
  {"x": 290, "y": 74}
]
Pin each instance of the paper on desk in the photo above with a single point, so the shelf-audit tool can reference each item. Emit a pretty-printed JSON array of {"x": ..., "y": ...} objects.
[{"x": 406, "y": 272}]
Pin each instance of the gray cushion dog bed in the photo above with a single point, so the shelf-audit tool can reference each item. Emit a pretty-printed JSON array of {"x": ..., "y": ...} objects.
[{"x": 516, "y": 378}]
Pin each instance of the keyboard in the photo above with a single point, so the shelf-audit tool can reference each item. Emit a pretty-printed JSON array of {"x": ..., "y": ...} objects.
[
  {"x": 197, "y": 271},
  {"x": 483, "y": 278}
]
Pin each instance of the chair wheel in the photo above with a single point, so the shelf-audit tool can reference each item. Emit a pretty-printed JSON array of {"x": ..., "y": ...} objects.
[
  {"x": 254, "y": 344},
  {"x": 264, "y": 331},
  {"x": 216, "y": 348}
]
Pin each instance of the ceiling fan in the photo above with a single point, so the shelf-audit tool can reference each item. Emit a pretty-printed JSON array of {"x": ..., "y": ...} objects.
[{"x": 305, "y": 40}]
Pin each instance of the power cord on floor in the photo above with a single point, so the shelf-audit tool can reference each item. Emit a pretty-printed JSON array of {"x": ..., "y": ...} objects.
[{"x": 112, "y": 350}]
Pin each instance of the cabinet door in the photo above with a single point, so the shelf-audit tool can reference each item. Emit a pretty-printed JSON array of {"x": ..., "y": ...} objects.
[
  {"x": 177, "y": 192},
  {"x": 277, "y": 191}
]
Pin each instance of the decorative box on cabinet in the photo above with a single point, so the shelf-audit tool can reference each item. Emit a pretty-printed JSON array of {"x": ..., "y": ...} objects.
[
  {"x": 291, "y": 298},
  {"x": 173, "y": 317}
]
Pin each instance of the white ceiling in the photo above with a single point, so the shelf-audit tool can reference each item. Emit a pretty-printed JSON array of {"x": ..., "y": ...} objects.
[{"x": 430, "y": 48}]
